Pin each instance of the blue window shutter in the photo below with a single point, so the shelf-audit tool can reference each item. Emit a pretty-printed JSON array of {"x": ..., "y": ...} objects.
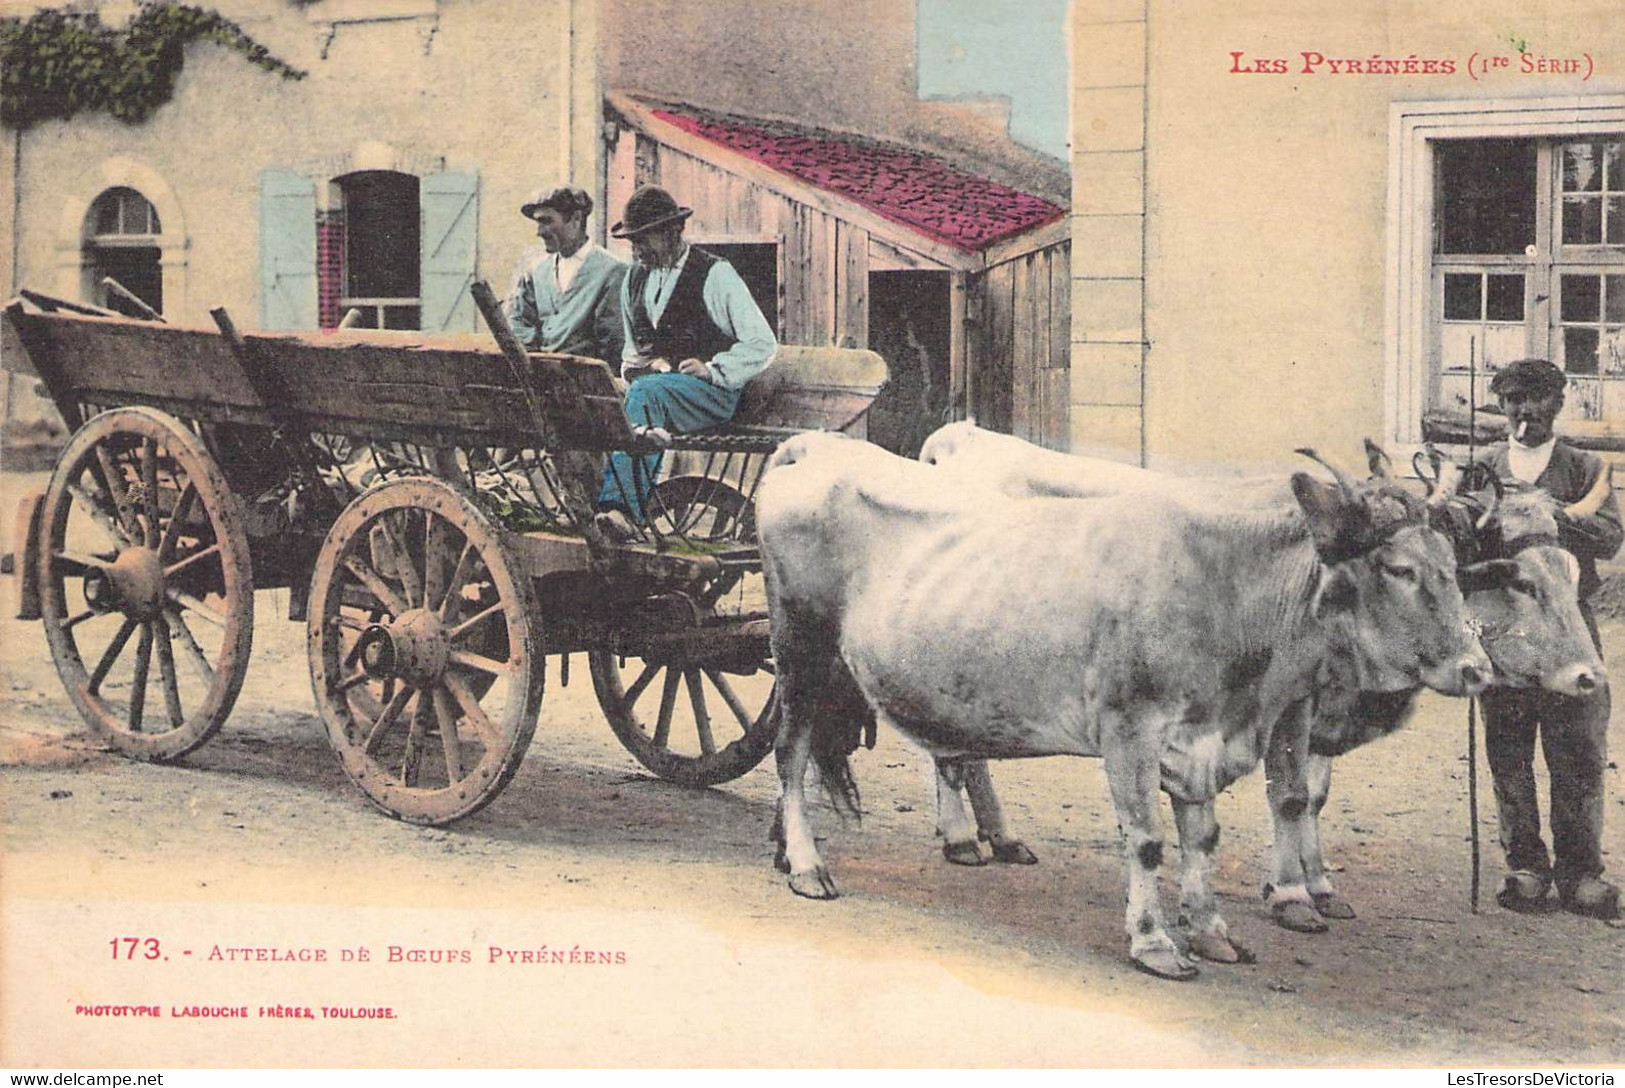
[
  {"x": 449, "y": 206},
  {"x": 287, "y": 250}
]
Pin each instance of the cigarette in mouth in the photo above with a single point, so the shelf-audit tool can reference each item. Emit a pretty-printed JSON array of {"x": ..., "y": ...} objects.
[{"x": 1522, "y": 429}]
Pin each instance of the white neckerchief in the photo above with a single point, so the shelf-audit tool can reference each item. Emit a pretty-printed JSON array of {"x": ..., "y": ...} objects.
[
  {"x": 565, "y": 268},
  {"x": 1528, "y": 462}
]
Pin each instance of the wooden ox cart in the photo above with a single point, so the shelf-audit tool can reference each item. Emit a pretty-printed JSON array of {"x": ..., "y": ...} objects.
[{"x": 426, "y": 501}]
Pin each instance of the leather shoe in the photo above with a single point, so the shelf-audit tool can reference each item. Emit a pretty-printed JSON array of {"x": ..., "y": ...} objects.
[
  {"x": 1593, "y": 897},
  {"x": 1523, "y": 891}
]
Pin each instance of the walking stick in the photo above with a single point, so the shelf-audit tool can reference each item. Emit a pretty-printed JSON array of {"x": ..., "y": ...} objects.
[{"x": 1472, "y": 700}]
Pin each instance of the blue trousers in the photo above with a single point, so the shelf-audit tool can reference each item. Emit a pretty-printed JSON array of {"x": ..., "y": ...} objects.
[{"x": 679, "y": 403}]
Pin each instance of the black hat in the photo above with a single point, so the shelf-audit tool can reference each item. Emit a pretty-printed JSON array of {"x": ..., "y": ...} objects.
[
  {"x": 1528, "y": 377},
  {"x": 567, "y": 200},
  {"x": 646, "y": 209}
]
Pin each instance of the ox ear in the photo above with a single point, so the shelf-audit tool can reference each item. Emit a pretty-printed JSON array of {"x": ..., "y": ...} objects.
[
  {"x": 1338, "y": 593},
  {"x": 1330, "y": 511},
  {"x": 1377, "y": 459},
  {"x": 1491, "y": 574}
]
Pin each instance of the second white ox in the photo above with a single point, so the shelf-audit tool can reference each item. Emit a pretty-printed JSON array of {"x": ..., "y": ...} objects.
[
  {"x": 1522, "y": 595},
  {"x": 1167, "y": 637}
]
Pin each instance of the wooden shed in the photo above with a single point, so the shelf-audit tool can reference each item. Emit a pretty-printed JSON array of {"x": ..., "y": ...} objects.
[{"x": 960, "y": 283}]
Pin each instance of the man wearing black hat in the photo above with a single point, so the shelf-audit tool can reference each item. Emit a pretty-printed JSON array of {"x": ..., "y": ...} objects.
[
  {"x": 567, "y": 298},
  {"x": 1573, "y": 731},
  {"x": 693, "y": 338}
]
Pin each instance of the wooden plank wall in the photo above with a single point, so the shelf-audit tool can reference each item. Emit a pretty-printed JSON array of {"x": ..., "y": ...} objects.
[
  {"x": 823, "y": 262},
  {"x": 1017, "y": 350}
]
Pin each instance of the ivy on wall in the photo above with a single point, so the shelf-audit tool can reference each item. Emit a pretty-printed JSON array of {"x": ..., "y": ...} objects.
[{"x": 54, "y": 65}]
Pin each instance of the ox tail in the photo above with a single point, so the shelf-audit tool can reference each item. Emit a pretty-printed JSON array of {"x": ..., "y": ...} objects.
[{"x": 842, "y": 720}]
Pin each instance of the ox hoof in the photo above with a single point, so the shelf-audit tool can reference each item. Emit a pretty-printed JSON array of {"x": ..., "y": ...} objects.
[
  {"x": 1332, "y": 905},
  {"x": 816, "y": 884},
  {"x": 1298, "y": 916},
  {"x": 1220, "y": 949},
  {"x": 963, "y": 853},
  {"x": 781, "y": 860},
  {"x": 1166, "y": 963},
  {"x": 1014, "y": 852}
]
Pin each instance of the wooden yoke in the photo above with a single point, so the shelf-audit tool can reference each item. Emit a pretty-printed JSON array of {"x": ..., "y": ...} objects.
[{"x": 561, "y": 391}]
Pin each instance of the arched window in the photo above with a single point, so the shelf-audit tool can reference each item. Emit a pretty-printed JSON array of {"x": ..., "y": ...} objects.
[
  {"x": 382, "y": 249},
  {"x": 122, "y": 244}
]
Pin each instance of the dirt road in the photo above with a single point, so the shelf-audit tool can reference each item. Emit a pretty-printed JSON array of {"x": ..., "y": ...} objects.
[{"x": 259, "y": 840}]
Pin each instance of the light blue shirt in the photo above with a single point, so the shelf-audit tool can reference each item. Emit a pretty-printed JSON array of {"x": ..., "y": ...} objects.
[{"x": 730, "y": 306}]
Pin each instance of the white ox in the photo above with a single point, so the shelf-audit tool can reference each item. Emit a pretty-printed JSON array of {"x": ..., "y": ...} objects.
[
  {"x": 1169, "y": 638},
  {"x": 1523, "y": 597}
]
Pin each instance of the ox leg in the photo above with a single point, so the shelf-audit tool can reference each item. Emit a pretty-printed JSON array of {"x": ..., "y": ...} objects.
[
  {"x": 1286, "y": 785},
  {"x": 990, "y": 817},
  {"x": 798, "y": 853},
  {"x": 1327, "y": 902},
  {"x": 1198, "y": 909},
  {"x": 953, "y": 823},
  {"x": 1133, "y": 775}
]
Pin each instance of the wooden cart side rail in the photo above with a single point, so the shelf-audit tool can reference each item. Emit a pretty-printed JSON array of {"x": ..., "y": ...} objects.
[{"x": 430, "y": 390}]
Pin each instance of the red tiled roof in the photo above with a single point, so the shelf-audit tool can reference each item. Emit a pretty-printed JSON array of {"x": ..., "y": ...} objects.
[{"x": 918, "y": 191}]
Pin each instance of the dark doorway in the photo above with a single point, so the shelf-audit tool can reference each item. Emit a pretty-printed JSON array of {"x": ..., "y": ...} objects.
[
  {"x": 381, "y": 249},
  {"x": 908, "y": 326},
  {"x": 758, "y": 265}
]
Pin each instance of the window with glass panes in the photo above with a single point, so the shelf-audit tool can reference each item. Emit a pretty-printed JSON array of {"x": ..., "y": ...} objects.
[{"x": 1529, "y": 260}]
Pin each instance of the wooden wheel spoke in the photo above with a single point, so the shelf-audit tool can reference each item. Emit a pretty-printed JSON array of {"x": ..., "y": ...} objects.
[
  {"x": 386, "y": 718},
  {"x": 194, "y": 652},
  {"x": 481, "y": 723},
  {"x": 98, "y": 514},
  {"x": 375, "y": 585},
  {"x": 149, "y": 489},
  {"x": 177, "y": 522},
  {"x": 480, "y": 663},
  {"x": 454, "y": 585},
  {"x": 138, "y": 685},
  {"x": 415, "y": 732},
  {"x": 194, "y": 605},
  {"x": 702, "y": 716},
  {"x": 112, "y": 481},
  {"x": 77, "y": 563},
  {"x": 352, "y": 680},
  {"x": 351, "y": 623},
  {"x": 628, "y": 700},
  {"x": 166, "y": 674},
  {"x": 110, "y": 655},
  {"x": 446, "y": 715},
  {"x": 180, "y": 565},
  {"x": 668, "y": 700},
  {"x": 434, "y": 560},
  {"x": 725, "y": 689},
  {"x": 80, "y": 617},
  {"x": 473, "y": 621},
  {"x": 405, "y": 570}
]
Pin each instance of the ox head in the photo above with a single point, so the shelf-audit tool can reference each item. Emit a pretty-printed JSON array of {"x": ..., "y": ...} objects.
[
  {"x": 1389, "y": 588},
  {"x": 1526, "y": 600}
]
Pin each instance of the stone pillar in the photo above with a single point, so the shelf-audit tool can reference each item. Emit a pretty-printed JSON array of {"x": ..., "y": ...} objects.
[{"x": 1108, "y": 228}]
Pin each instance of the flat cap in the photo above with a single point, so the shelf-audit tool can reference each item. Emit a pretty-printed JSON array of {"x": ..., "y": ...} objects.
[
  {"x": 564, "y": 199},
  {"x": 1528, "y": 377}
]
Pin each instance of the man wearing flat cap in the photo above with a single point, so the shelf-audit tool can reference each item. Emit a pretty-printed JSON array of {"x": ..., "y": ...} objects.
[
  {"x": 567, "y": 297},
  {"x": 693, "y": 338},
  {"x": 1572, "y": 730}
]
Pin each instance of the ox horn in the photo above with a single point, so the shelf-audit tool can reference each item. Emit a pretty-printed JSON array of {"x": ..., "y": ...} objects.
[
  {"x": 1344, "y": 480},
  {"x": 1377, "y": 460},
  {"x": 1496, "y": 485},
  {"x": 1594, "y": 498}
]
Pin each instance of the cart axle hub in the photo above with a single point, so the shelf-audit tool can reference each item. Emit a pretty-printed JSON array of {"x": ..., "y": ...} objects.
[
  {"x": 133, "y": 584},
  {"x": 413, "y": 647}
]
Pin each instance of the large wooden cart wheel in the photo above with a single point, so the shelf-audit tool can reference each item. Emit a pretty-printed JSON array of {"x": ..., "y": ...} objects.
[
  {"x": 703, "y": 713},
  {"x": 693, "y": 722},
  {"x": 421, "y": 652},
  {"x": 143, "y": 555}
]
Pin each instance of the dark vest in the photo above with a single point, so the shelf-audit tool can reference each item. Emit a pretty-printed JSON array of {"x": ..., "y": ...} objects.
[{"x": 686, "y": 330}]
